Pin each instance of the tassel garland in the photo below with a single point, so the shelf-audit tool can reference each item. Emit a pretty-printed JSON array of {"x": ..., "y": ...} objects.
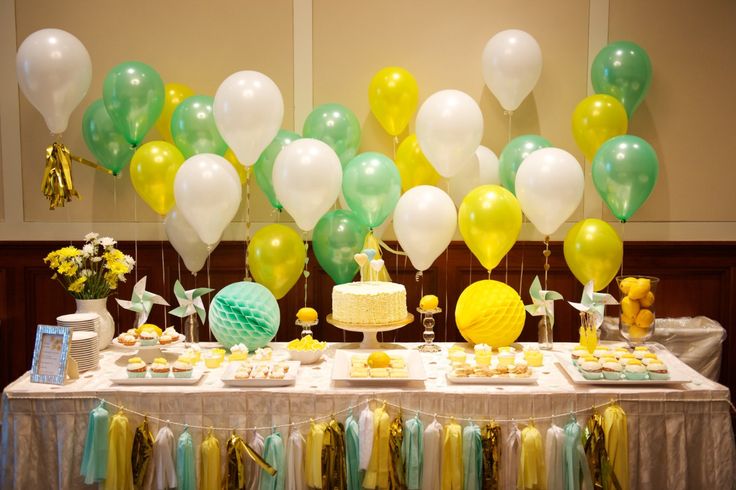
[
  {"x": 532, "y": 475},
  {"x": 209, "y": 463},
  {"x": 452, "y": 457},
  {"x": 472, "y": 457},
  {"x": 431, "y": 474},
  {"x": 617, "y": 443},
  {"x": 491, "y": 442},
  {"x": 142, "y": 453},
  {"x": 396, "y": 466},
  {"x": 412, "y": 449},
  {"x": 185, "y": 473},
  {"x": 119, "y": 469},
  {"x": 94, "y": 456},
  {"x": 333, "y": 457},
  {"x": 352, "y": 452}
]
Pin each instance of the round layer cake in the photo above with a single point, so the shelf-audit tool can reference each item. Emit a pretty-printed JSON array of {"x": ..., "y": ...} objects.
[{"x": 369, "y": 303}]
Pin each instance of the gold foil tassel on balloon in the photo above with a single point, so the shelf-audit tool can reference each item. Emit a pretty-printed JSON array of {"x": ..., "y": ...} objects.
[
  {"x": 142, "y": 452},
  {"x": 57, "y": 184},
  {"x": 334, "y": 468},
  {"x": 595, "y": 451},
  {"x": 491, "y": 441},
  {"x": 396, "y": 467}
]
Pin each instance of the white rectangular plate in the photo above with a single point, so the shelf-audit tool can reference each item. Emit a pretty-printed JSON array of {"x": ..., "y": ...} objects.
[
  {"x": 414, "y": 364},
  {"x": 676, "y": 376},
  {"x": 492, "y": 380},
  {"x": 171, "y": 380},
  {"x": 229, "y": 377}
]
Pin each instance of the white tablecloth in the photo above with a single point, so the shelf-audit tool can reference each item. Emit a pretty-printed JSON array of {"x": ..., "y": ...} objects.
[{"x": 679, "y": 436}]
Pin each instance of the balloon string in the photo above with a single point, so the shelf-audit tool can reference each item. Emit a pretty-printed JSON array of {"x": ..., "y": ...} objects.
[
  {"x": 623, "y": 234},
  {"x": 163, "y": 276},
  {"x": 209, "y": 258},
  {"x": 470, "y": 270},
  {"x": 521, "y": 270},
  {"x": 247, "y": 226},
  {"x": 546, "y": 254},
  {"x": 447, "y": 287},
  {"x": 306, "y": 268},
  {"x": 135, "y": 234},
  {"x": 509, "y": 113}
]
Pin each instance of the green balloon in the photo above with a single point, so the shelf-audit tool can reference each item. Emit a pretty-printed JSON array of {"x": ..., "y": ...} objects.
[
  {"x": 263, "y": 167},
  {"x": 134, "y": 98},
  {"x": 371, "y": 184},
  {"x": 337, "y": 126},
  {"x": 108, "y": 146},
  {"x": 336, "y": 238},
  {"x": 623, "y": 70},
  {"x": 625, "y": 169},
  {"x": 514, "y": 153},
  {"x": 193, "y": 127}
]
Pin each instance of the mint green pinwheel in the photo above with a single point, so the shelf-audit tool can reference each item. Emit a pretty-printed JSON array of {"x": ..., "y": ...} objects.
[
  {"x": 543, "y": 302},
  {"x": 141, "y": 302},
  {"x": 190, "y": 302},
  {"x": 594, "y": 304}
]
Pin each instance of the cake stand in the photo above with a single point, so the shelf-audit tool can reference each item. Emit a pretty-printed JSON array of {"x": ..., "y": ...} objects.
[
  {"x": 147, "y": 352},
  {"x": 370, "y": 340}
]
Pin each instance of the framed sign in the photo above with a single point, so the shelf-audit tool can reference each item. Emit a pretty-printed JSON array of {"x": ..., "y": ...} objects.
[{"x": 51, "y": 354}]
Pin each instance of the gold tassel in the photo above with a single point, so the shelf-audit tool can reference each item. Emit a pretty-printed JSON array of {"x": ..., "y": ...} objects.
[
  {"x": 235, "y": 464},
  {"x": 57, "y": 184},
  {"x": 491, "y": 440},
  {"x": 617, "y": 443},
  {"x": 142, "y": 452},
  {"x": 595, "y": 451},
  {"x": 532, "y": 474},
  {"x": 396, "y": 468},
  {"x": 334, "y": 472}
]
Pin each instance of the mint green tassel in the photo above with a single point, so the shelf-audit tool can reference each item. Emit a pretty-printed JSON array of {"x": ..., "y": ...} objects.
[
  {"x": 186, "y": 475},
  {"x": 273, "y": 454},
  {"x": 94, "y": 458}
]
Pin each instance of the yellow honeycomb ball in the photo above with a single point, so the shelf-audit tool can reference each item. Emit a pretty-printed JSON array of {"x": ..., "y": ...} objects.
[{"x": 490, "y": 312}]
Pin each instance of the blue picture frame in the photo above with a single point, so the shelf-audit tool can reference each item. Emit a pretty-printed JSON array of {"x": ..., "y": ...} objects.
[{"x": 50, "y": 354}]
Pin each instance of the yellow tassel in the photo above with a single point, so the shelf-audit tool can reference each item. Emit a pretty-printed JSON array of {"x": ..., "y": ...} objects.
[
  {"x": 313, "y": 455},
  {"x": 395, "y": 441},
  {"x": 209, "y": 468},
  {"x": 376, "y": 476},
  {"x": 452, "y": 457},
  {"x": 491, "y": 440},
  {"x": 120, "y": 445},
  {"x": 532, "y": 474},
  {"x": 617, "y": 443}
]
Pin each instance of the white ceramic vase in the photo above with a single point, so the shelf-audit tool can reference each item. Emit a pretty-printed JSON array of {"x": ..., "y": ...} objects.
[{"x": 107, "y": 324}]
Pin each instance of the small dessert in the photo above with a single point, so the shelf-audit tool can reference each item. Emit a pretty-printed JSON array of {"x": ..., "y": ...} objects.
[
  {"x": 577, "y": 354},
  {"x": 600, "y": 351},
  {"x": 626, "y": 358},
  {"x": 483, "y": 371},
  {"x": 462, "y": 371},
  {"x": 658, "y": 370},
  {"x": 238, "y": 352},
  {"x": 607, "y": 358},
  {"x": 212, "y": 359},
  {"x": 507, "y": 348},
  {"x": 457, "y": 354},
  {"x": 263, "y": 354},
  {"x": 133, "y": 332},
  {"x": 379, "y": 372},
  {"x": 649, "y": 357},
  {"x": 591, "y": 370},
  {"x": 635, "y": 370},
  {"x": 149, "y": 337},
  {"x": 399, "y": 373},
  {"x": 160, "y": 368},
  {"x": 136, "y": 368},
  {"x": 243, "y": 372},
  {"x": 612, "y": 370},
  {"x": 277, "y": 373},
  {"x": 588, "y": 358},
  {"x": 502, "y": 370},
  {"x": 397, "y": 363},
  {"x": 620, "y": 351},
  {"x": 260, "y": 372},
  {"x": 358, "y": 372},
  {"x": 127, "y": 339},
  {"x": 640, "y": 352},
  {"x": 482, "y": 354},
  {"x": 505, "y": 359},
  {"x": 165, "y": 339},
  {"x": 520, "y": 369},
  {"x": 182, "y": 368},
  {"x": 534, "y": 357}
]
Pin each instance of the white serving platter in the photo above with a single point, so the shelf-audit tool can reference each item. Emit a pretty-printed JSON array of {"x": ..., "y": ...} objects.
[
  {"x": 493, "y": 380},
  {"x": 414, "y": 365},
  {"x": 677, "y": 376},
  {"x": 138, "y": 346},
  {"x": 197, "y": 375},
  {"x": 228, "y": 377}
]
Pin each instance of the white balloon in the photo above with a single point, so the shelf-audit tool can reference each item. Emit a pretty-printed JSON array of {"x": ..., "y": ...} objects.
[
  {"x": 248, "y": 110},
  {"x": 424, "y": 222},
  {"x": 449, "y": 130},
  {"x": 54, "y": 72},
  {"x": 207, "y": 191},
  {"x": 549, "y": 186},
  {"x": 482, "y": 170},
  {"x": 512, "y": 63},
  {"x": 186, "y": 242},
  {"x": 307, "y": 177}
]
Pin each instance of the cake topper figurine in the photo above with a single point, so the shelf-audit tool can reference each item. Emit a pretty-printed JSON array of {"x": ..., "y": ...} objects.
[
  {"x": 362, "y": 259},
  {"x": 376, "y": 266},
  {"x": 141, "y": 302}
]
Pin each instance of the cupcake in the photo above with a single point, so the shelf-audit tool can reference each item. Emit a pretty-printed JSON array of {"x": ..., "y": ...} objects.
[
  {"x": 620, "y": 351},
  {"x": 263, "y": 354},
  {"x": 148, "y": 338},
  {"x": 658, "y": 370},
  {"x": 238, "y": 352},
  {"x": 577, "y": 354},
  {"x": 601, "y": 351},
  {"x": 160, "y": 368},
  {"x": 607, "y": 358},
  {"x": 212, "y": 359},
  {"x": 482, "y": 354},
  {"x": 182, "y": 368},
  {"x": 243, "y": 372},
  {"x": 640, "y": 352},
  {"x": 626, "y": 358},
  {"x": 171, "y": 332},
  {"x": 127, "y": 339},
  {"x": 649, "y": 357},
  {"x": 136, "y": 368},
  {"x": 612, "y": 370},
  {"x": 506, "y": 358},
  {"x": 591, "y": 370},
  {"x": 165, "y": 339},
  {"x": 635, "y": 370}
]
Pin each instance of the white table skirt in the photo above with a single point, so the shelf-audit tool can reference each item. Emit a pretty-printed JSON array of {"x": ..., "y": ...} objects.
[{"x": 679, "y": 437}]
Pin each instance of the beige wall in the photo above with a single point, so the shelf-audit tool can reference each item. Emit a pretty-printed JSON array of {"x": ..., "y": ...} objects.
[{"x": 687, "y": 115}]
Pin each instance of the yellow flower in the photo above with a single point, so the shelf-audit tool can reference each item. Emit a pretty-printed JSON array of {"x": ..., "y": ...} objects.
[
  {"x": 68, "y": 252},
  {"x": 118, "y": 267},
  {"x": 52, "y": 259},
  {"x": 113, "y": 255},
  {"x": 78, "y": 285},
  {"x": 68, "y": 268},
  {"x": 112, "y": 280}
]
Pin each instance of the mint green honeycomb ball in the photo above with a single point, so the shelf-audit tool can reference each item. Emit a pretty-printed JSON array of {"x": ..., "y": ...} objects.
[{"x": 244, "y": 313}]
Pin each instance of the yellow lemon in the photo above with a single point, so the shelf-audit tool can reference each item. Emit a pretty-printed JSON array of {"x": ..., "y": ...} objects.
[
  {"x": 645, "y": 318},
  {"x": 640, "y": 289},
  {"x": 627, "y": 320},
  {"x": 148, "y": 327},
  {"x": 490, "y": 312},
  {"x": 379, "y": 360},
  {"x": 429, "y": 302},
  {"x": 626, "y": 284},
  {"x": 647, "y": 300},
  {"x": 307, "y": 314},
  {"x": 637, "y": 333},
  {"x": 630, "y": 307}
]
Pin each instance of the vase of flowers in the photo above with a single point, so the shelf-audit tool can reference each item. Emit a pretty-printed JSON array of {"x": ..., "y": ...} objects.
[{"x": 90, "y": 275}]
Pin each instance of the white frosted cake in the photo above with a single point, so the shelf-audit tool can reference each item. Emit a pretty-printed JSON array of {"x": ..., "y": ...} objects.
[{"x": 369, "y": 303}]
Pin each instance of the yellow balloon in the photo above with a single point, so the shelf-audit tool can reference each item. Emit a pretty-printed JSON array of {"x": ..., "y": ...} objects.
[
  {"x": 152, "y": 171},
  {"x": 490, "y": 221},
  {"x": 243, "y": 171},
  {"x": 490, "y": 312},
  {"x": 276, "y": 256},
  {"x": 393, "y": 95},
  {"x": 593, "y": 251},
  {"x": 597, "y": 119},
  {"x": 175, "y": 93},
  {"x": 413, "y": 166}
]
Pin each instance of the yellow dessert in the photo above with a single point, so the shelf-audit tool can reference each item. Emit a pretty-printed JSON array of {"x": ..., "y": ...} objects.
[
  {"x": 534, "y": 358},
  {"x": 306, "y": 344},
  {"x": 148, "y": 327},
  {"x": 429, "y": 302},
  {"x": 482, "y": 354},
  {"x": 306, "y": 314},
  {"x": 457, "y": 354},
  {"x": 379, "y": 372},
  {"x": 358, "y": 372},
  {"x": 378, "y": 360}
]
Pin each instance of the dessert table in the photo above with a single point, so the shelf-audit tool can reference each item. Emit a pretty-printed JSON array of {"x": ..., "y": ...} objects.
[{"x": 679, "y": 436}]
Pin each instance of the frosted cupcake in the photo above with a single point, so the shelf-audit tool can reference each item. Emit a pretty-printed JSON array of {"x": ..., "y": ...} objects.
[
  {"x": 626, "y": 358},
  {"x": 148, "y": 338},
  {"x": 482, "y": 354},
  {"x": 263, "y": 354},
  {"x": 635, "y": 370},
  {"x": 640, "y": 352},
  {"x": 657, "y": 370},
  {"x": 649, "y": 357},
  {"x": 212, "y": 359},
  {"x": 612, "y": 370},
  {"x": 238, "y": 352},
  {"x": 160, "y": 368},
  {"x": 591, "y": 370},
  {"x": 182, "y": 369},
  {"x": 620, "y": 351},
  {"x": 577, "y": 354},
  {"x": 127, "y": 339},
  {"x": 601, "y": 351},
  {"x": 136, "y": 368}
]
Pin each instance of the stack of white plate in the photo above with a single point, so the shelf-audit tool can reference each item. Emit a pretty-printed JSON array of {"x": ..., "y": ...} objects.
[
  {"x": 80, "y": 322},
  {"x": 85, "y": 350}
]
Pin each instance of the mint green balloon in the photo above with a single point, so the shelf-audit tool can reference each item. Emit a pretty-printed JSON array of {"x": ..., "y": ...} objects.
[
  {"x": 193, "y": 127},
  {"x": 263, "y": 167},
  {"x": 336, "y": 238},
  {"x": 337, "y": 126},
  {"x": 108, "y": 146},
  {"x": 623, "y": 70},
  {"x": 514, "y": 153},
  {"x": 134, "y": 98},
  {"x": 371, "y": 184},
  {"x": 625, "y": 169}
]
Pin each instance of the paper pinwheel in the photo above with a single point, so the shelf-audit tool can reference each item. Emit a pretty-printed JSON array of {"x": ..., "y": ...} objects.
[
  {"x": 543, "y": 302},
  {"x": 142, "y": 301},
  {"x": 190, "y": 302},
  {"x": 594, "y": 303}
]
